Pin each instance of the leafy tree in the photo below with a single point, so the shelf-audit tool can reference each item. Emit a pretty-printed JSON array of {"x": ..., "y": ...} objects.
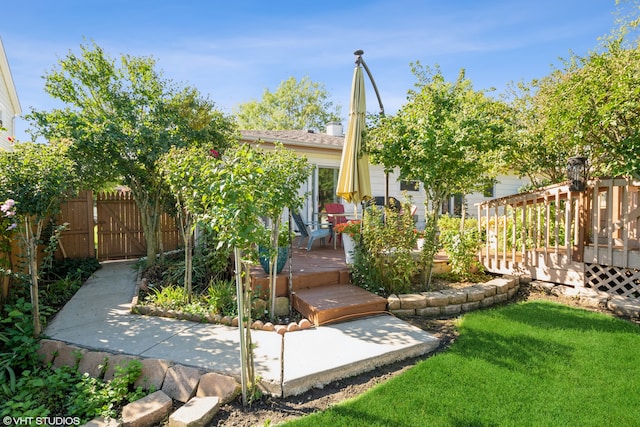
[
  {"x": 294, "y": 105},
  {"x": 448, "y": 136},
  {"x": 120, "y": 119},
  {"x": 36, "y": 177},
  {"x": 589, "y": 107},
  {"x": 284, "y": 173},
  {"x": 181, "y": 168}
]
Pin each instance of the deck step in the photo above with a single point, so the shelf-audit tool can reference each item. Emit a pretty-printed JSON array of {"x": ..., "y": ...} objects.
[{"x": 335, "y": 303}]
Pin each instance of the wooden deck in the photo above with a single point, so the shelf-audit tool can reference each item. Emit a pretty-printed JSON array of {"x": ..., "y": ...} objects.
[{"x": 321, "y": 286}]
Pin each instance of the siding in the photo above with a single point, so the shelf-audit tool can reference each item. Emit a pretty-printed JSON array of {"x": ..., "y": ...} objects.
[{"x": 9, "y": 104}]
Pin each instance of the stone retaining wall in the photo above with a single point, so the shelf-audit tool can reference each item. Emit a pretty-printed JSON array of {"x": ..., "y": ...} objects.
[
  {"x": 452, "y": 302},
  {"x": 201, "y": 392}
]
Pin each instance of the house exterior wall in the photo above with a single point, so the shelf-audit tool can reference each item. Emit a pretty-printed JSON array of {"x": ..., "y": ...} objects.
[
  {"x": 327, "y": 153},
  {"x": 506, "y": 185},
  {"x": 9, "y": 104}
]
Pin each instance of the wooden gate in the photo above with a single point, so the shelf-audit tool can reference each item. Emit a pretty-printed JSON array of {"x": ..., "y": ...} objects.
[
  {"x": 119, "y": 228},
  {"x": 108, "y": 228}
]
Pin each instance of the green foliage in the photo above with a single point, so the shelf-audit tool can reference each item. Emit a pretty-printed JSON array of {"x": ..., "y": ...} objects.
[
  {"x": 461, "y": 245},
  {"x": 78, "y": 269},
  {"x": 294, "y": 105},
  {"x": 168, "y": 297},
  {"x": 38, "y": 177},
  {"x": 588, "y": 107},
  {"x": 42, "y": 392},
  {"x": 17, "y": 344},
  {"x": 121, "y": 118},
  {"x": 384, "y": 261},
  {"x": 92, "y": 398},
  {"x": 447, "y": 135},
  {"x": 220, "y": 297}
]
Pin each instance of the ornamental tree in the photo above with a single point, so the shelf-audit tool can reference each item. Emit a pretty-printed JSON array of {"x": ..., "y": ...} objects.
[
  {"x": 284, "y": 172},
  {"x": 37, "y": 178},
  {"x": 448, "y": 136},
  {"x": 120, "y": 119}
]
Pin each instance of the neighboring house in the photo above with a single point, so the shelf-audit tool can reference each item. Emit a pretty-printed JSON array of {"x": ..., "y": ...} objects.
[
  {"x": 324, "y": 151},
  {"x": 9, "y": 103}
]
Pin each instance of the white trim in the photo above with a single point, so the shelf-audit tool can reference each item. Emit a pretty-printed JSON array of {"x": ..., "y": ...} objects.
[{"x": 5, "y": 73}]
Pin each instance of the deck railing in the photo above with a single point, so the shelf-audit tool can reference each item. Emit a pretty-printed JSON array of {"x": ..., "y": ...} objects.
[{"x": 553, "y": 232}]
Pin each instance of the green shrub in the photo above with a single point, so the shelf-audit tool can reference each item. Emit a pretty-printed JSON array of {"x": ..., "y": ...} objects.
[
  {"x": 168, "y": 297},
  {"x": 17, "y": 345},
  {"x": 220, "y": 297},
  {"x": 461, "y": 246},
  {"x": 42, "y": 392},
  {"x": 92, "y": 398},
  {"x": 384, "y": 262}
]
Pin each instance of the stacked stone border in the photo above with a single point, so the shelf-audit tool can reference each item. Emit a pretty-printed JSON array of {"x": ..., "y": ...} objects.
[
  {"x": 452, "y": 302},
  {"x": 282, "y": 307},
  {"x": 201, "y": 392}
]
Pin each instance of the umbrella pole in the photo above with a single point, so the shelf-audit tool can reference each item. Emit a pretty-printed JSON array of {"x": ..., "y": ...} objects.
[{"x": 359, "y": 60}]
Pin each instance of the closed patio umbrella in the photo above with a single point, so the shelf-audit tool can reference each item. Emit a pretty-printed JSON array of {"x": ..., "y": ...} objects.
[{"x": 354, "y": 183}]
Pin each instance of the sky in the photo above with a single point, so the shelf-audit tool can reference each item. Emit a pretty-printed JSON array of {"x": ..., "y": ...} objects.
[{"x": 232, "y": 51}]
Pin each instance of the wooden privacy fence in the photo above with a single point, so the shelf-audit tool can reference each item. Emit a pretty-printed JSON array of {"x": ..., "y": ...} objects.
[
  {"x": 108, "y": 227},
  {"x": 588, "y": 238}
]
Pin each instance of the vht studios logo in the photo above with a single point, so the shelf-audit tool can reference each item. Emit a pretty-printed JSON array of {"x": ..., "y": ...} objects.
[{"x": 40, "y": 421}]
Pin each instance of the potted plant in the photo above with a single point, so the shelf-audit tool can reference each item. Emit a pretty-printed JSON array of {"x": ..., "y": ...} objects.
[
  {"x": 264, "y": 248},
  {"x": 349, "y": 230}
]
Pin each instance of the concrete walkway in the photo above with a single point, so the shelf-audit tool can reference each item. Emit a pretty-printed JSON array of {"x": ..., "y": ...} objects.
[{"x": 98, "y": 318}]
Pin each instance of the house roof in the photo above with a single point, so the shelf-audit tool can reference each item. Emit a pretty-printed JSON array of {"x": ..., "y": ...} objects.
[
  {"x": 295, "y": 138},
  {"x": 5, "y": 75}
]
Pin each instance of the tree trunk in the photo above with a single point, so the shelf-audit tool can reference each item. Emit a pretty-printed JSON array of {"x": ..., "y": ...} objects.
[
  {"x": 32, "y": 255},
  {"x": 431, "y": 248},
  {"x": 149, "y": 207},
  {"x": 243, "y": 297},
  {"x": 273, "y": 259},
  {"x": 188, "y": 261}
]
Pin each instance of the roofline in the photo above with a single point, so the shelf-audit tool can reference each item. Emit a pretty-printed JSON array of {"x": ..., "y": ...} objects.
[
  {"x": 290, "y": 142},
  {"x": 5, "y": 70}
]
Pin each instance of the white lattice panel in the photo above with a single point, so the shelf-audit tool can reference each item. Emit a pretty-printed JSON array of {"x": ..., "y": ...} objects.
[{"x": 617, "y": 281}]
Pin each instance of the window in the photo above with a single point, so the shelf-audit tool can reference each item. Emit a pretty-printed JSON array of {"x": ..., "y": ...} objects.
[
  {"x": 489, "y": 190},
  {"x": 327, "y": 185},
  {"x": 411, "y": 185}
]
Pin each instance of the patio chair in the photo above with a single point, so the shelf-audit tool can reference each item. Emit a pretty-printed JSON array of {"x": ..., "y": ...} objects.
[
  {"x": 332, "y": 209},
  {"x": 306, "y": 231}
]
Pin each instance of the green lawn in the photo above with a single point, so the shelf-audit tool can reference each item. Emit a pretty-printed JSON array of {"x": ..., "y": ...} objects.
[{"x": 528, "y": 364}]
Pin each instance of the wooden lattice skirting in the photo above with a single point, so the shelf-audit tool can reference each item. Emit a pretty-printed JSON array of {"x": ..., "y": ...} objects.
[{"x": 614, "y": 280}]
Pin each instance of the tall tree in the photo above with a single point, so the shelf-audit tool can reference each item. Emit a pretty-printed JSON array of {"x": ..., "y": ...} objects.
[
  {"x": 121, "y": 118},
  {"x": 294, "y": 105},
  {"x": 589, "y": 107}
]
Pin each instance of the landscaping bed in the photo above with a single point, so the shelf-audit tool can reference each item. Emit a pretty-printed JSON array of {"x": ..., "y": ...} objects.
[{"x": 272, "y": 411}]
